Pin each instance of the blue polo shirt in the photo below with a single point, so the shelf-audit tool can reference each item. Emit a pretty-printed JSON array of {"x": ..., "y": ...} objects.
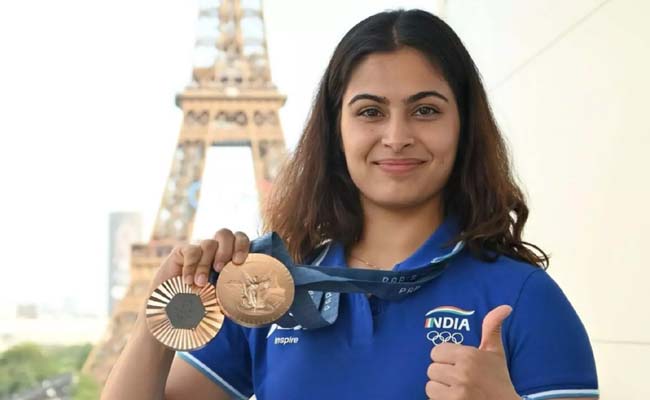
[{"x": 380, "y": 349}]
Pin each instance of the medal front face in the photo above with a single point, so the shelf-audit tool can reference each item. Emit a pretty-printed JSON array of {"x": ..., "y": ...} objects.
[
  {"x": 183, "y": 317},
  {"x": 256, "y": 293}
]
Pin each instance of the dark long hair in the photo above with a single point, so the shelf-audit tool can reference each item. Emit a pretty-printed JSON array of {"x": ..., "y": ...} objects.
[{"x": 314, "y": 198}]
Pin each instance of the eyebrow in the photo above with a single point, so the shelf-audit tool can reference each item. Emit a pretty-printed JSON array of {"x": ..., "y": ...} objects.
[{"x": 410, "y": 99}]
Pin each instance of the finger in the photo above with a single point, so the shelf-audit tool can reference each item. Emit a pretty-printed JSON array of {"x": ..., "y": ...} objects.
[
  {"x": 492, "y": 324},
  {"x": 449, "y": 353},
  {"x": 442, "y": 373},
  {"x": 240, "y": 248},
  {"x": 436, "y": 390},
  {"x": 208, "y": 250},
  {"x": 175, "y": 260},
  {"x": 226, "y": 240},
  {"x": 191, "y": 258}
]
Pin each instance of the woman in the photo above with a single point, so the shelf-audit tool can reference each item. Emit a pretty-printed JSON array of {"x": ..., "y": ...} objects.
[{"x": 401, "y": 158}]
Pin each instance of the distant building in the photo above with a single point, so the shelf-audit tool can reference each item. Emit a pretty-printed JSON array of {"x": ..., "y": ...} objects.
[
  {"x": 51, "y": 330},
  {"x": 27, "y": 311},
  {"x": 125, "y": 229}
]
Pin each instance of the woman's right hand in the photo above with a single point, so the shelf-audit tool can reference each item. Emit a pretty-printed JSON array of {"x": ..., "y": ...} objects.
[
  {"x": 128, "y": 378},
  {"x": 194, "y": 261}
]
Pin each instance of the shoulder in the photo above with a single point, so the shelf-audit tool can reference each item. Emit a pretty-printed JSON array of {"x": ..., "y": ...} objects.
[
  {"x": 529, "y": 289},
  {"x": 503, "y": 271},
  {"x": 502, "y": 281}
]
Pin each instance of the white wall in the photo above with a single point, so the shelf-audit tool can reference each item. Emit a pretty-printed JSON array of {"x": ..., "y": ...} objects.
[{"x": 568, "y": 82}]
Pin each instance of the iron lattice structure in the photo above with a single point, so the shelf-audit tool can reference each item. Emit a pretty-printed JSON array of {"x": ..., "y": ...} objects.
[{"x": 231, "y": 100}]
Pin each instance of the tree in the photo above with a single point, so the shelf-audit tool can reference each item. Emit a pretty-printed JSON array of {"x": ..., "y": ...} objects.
[
  {"x": 87, "y": 388},
  {"x": 26, "y": 365}
]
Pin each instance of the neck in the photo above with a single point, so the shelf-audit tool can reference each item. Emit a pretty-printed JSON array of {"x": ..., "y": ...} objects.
[{"x": 391, "y": 235}]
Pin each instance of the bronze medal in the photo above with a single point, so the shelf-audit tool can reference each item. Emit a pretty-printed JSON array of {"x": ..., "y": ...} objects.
[
  {"x": 256, "y": 293},
  {"x": 183, "y": 317}
]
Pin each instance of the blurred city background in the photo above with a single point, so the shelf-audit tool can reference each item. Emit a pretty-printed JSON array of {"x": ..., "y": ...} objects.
[{"x": 89, "y": 129}]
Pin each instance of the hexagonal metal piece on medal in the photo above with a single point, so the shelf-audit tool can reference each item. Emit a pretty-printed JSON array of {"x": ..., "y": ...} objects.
[
  {"x": 183, "y": 317},
  {"x": 256, "y": 293}
]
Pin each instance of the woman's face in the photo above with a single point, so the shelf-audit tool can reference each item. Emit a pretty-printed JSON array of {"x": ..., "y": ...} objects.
[{"x": 400, "y": 129}]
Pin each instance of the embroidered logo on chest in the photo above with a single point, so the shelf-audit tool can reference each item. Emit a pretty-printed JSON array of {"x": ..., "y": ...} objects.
[
  {"x": 447, "y": 324},
  {"x": 285, "y": 337}
]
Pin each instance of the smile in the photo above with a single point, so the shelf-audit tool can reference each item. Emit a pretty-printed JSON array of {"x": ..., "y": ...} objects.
[{"x": 398, "y": 166}]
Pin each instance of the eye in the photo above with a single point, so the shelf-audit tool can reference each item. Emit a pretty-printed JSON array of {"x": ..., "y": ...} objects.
[
  {"x": 426, "y": 111},
  {"x": 369, "y": 112}
]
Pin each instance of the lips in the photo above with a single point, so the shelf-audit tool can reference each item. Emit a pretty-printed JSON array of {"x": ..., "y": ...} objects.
[{"x": 398, "y": 165}]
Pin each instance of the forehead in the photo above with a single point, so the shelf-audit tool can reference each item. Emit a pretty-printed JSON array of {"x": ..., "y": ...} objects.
[{"x": 398, "y": 73}]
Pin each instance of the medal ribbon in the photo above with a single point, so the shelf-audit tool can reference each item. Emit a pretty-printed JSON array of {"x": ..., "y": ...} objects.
[{"x": 318, "y": 289}]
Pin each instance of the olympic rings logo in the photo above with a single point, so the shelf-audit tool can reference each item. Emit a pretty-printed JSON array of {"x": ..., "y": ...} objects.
[{"x": 444, "y": 337}]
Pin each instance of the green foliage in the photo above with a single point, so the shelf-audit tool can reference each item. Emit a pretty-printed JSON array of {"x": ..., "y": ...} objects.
[
  {"x": 69, "y": 358},
  {"x": 26, "y": 365},
  {"x": 22, "y": 367},
  {"x": 87, "y": 389}
]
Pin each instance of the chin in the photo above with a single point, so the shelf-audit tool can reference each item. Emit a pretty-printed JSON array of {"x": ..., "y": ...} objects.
[{"x": 400, "y": 201}]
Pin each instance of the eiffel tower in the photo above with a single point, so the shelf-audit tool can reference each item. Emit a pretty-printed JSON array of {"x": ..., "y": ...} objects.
[{"x": 230, "y": 101}]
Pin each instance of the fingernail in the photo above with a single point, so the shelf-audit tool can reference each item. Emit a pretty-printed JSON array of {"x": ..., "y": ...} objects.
[
  {"x": 218, "y": 266},
  {"x": 239, "y": 258},
  {"x": 201, "y": 279},
  {"x": 189, "y": 279}
]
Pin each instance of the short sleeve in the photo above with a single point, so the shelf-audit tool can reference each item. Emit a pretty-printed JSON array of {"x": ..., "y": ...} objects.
[
  {"x": 225, "y": 360},
  {"x": 549, "y": 353}
]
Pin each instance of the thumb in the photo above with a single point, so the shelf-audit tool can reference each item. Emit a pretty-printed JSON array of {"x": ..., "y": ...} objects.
[{"x": 491, "y": 337}]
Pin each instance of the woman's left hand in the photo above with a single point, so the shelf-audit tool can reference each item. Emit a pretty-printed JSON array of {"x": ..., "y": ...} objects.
[{"x": 466, "y": 373}]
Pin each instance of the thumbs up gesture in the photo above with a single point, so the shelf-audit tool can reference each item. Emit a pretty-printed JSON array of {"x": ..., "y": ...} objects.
[{"x": 463, "y": 372}]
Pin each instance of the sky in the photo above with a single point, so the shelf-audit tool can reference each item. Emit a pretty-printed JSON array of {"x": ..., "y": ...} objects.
[{"x": 88, "y": 126}]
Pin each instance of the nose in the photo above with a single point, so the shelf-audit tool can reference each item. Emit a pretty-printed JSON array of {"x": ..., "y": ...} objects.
[{"x": 397, "y": 136}]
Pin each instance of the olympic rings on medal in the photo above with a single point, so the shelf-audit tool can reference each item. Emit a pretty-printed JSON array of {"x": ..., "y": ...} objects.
[{"x": 436, "y": 337}]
